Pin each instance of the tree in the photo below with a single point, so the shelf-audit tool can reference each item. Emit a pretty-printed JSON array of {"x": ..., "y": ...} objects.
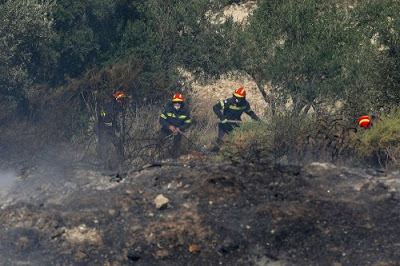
[
  {"x": 169, "y": 34},
  {"x": 26, "y": 33},
  {"x": 309, "y": 50},
  {"x": 380, "y": 23},
  {"x": 89, "y": 30}
]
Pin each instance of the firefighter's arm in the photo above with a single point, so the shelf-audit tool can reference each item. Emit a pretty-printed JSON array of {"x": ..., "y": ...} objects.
[
  {"x": 187, "y": 121},
  {"x": 218, "y": 110},
  {"x": 163, "y": 120},
  {"x": 164, "y": 123},
  {"x": 251, "y": 113},
  {"x": 117, "y": 127}
]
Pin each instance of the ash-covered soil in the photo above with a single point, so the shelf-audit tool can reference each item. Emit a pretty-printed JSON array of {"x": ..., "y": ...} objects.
[{"x": 217, "y": 214}]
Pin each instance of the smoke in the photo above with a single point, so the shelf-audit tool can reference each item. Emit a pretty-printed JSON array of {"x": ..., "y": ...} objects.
[{"x": 7, "y": 179}]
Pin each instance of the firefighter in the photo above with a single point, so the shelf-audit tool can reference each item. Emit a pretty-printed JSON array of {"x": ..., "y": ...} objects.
[
  {"x": 229, "y": 111},
  {"x": 109, "y": 130},
  {"x": 174, "y": 120},
  {"x": 365, "y": 122}
]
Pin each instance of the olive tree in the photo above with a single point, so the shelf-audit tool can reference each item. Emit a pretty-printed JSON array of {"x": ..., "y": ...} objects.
[
  {"x": 309, "y": 50},
  {"x": 169, "y": 34},
  {"x": 380, "y": 23},
  {"x": 26, "y": 31}
]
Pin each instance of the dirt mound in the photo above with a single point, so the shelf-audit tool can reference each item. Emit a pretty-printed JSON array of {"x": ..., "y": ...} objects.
[{"x": 212, "y": 214}]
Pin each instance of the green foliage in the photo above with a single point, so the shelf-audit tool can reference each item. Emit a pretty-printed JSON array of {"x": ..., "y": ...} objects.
[
  {"x": 172, "y": 34},
  {"x": 88, "y": 32},
  {"x": 25, "y": 47},
  {"x": 251, "y": 143},
  {"x": 290, "y": 134},
  {"x": 375, "y": 83},
  {"x": 382, "y": 141},
  {"x": 380, "y": 21},
  {"x": 304, "y": 47},
  {"x": 321, "y": 51},
  {"x": 281, "y": 139},
  {"x": 285, "y": 138},
  {"x": 313, "y": 52},
  {"x": 72, "y": 109}
]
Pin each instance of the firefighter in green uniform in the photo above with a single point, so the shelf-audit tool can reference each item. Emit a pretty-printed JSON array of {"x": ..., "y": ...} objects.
[
  {"x": 174, "y": 120},
  {"x": 230, "y": 110}
]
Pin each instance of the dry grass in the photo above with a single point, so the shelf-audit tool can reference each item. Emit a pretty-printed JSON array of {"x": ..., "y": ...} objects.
[
  {"x": 206, "y": 95},
  {"x": 203, "y": 132},
  {"x": 381, "y": 142}
]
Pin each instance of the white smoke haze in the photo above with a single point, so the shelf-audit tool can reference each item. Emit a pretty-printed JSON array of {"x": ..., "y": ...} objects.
[{"x": 7, "y": 179}]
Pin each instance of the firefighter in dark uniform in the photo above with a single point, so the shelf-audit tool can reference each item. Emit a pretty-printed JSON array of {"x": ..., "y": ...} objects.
[
  {"x": 174, "y": 120},
  {"x": 231, "y": 109},
  {"x": 108, "y": 131}
]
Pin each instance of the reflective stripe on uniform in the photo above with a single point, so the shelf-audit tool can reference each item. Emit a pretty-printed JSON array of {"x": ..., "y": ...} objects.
[
  {"x": 237, "y": 107},
  {"x": 109, "y": 124},
  {"x": 102, "y": 113},
  {"x": 182, "y": 116},
  {"x": 163, "y": 116},
  {"x": 188, "y": 121},
  {"x": 222, "y": 104},
  {"x": 171, "y": 115}
]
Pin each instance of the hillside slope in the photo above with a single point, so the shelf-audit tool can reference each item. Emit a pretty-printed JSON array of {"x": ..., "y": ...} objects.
[{"x": 217, "y": 214}]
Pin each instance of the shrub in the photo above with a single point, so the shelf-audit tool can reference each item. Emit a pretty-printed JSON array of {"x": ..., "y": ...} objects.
[
  {"x": 251, "y": 143},
  {"x": 381, "y": 143},
  {"x": 291, "y": 138},
  {"x": 282, "y": 139}
]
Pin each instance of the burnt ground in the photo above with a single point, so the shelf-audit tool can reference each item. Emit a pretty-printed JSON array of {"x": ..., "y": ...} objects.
[{"x": 217, "y": 214}]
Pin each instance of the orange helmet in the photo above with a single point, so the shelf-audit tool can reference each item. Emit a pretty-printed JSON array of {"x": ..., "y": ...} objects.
[
  {"x": 240, "y": 93},
  {"x": 364, "y": 121},
  {"x": 119, "y": 95},
  {"x": 177, "y": 97}
]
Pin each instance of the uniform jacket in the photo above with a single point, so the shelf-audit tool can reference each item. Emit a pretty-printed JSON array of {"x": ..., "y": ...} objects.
[
  {"x": 108, "y": 116},
  {"x": 231, "y": 110},
  {"x": 178, "y": 118}
]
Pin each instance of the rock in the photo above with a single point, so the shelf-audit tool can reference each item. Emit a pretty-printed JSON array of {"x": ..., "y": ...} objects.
[
  {"x": 162, "y": 254},
  {"x": 70, "y": 185},
  {"x": 58, "y": 232},
  {"x": 82, "y": 234},
  {"x": 227, "y": 246},
  {"x": 129, "y": 192},
  {"x": 80, "y": 255},
  {"x": 133, "y": 255},
  {"x": 194, "y": 249},
  {"x": 116, "y": 178},
  {"x": 161, "y": 202}
]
